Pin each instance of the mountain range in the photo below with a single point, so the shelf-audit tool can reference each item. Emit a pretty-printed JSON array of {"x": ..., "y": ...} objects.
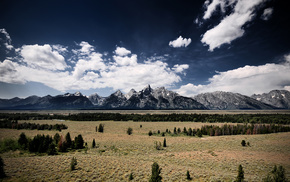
[{"x": 148, "y": 98}]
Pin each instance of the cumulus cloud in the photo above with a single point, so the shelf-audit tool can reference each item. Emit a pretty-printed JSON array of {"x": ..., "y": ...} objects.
[
  {"x": 231, "y": 26},
  {"x": 9, "y": 73},
  {"x": 245, "y": 80},
  {"x": 267, "y": 14},
  {"x": 42, "y": 56},
  {"x": 7, "y": 40},
  {"x": 180, "y": 68},
  {"x": 121, "y": 51},
  {"x": 180, "y": 42}
]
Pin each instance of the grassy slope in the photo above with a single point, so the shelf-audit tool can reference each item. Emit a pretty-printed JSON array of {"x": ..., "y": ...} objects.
[{"x": 207, "y": 158}]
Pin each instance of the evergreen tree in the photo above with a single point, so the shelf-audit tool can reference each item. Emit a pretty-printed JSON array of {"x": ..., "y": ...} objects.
[
  {"x": 2, "y": 172},
  {"x": 131, "y": 177},
  {"x": 155, "y": 176},
  {"x": 56, "y": 138},
  {"x": 51, "y": 149},
  {"x": 101, "y": 128},
  {"x": 276, "y": 175},
  {"x": 240, "y": 177},
  {"x": 79, "y": 142},
  {"x": 68, "y": 140},
  {"x": 129, "y": 131},
  {"x": 198, "y": 133},
  {"x": 93, "y": 144},
  {"x": 164, "y": 143},
  {"x": 23, "y": 141},
  {"x": 73, "y": 164},
  {"x": 188, "y": 175}
]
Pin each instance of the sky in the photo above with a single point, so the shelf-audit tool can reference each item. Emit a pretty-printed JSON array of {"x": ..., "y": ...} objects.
[{"x": 190, "y": 46}]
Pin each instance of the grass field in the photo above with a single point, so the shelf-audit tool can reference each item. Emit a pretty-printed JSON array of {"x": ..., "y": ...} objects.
[{"x": 118, "y": 154}]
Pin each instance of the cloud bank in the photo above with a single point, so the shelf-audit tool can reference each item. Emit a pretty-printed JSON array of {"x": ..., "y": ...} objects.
[
  {"x": 87, "y": 69},
  {"x": 245, "y": 80}
]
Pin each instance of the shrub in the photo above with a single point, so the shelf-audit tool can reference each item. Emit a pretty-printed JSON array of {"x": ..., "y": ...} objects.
[
  {"x": 101, "y": 128},
  {"x": 243, "y": 143},
  {"x": 188, "y": 175},
  {"x": 73, "y": 164},
  {"x": 140, "y": 127},
  {"x": 93, "y": 144},
  {"x": 129, "y": 131},
  {"x": 8, "y": 144},
  {"x": 2, "y": 172},
  {"x": 277, "y": 174},
  {"x": 157, "y": 145},
  {"x": 240, "y": 177},
  {"x": 150, "y": 133},
  {"x": 155, "y": 176}
]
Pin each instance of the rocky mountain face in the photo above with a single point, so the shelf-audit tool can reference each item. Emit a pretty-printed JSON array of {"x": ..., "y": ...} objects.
[
  {"x": 66, "y": 101},
  {"x": 277, "y": 98},
  {"x": 230, "y": 101},
  {"x": 148, "y": 98}
]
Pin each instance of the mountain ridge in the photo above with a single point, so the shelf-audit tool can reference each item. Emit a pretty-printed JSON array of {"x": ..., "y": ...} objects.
[{"x": 158, "y": 98}]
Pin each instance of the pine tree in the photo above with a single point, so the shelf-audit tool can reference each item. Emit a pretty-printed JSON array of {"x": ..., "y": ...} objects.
[
  {"x": 93, "y": 144},
  {"x": 188, "y": 175},
  {"x": 51, "y": 149},
  {"x": 73, "y": 164},
  {"x": 79, "y": 142},
  {"x": 240, "y": 177},
  {"x": 101, "y": 128},
  {"x": 56, "y": 138},
  {"x": 150, "y": 133},
  {"x": 131, "y": 177},
  {"x": 68, "y": 140},
  {"x": 2, "y": 172},
  {"x": 155, "y": 176},
  {"x": 23, "y": 141},
  {"x": 243, "y": 143},
  {"x": 164, "y": 143}
]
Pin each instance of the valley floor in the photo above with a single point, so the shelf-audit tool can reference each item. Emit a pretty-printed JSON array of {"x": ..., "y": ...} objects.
[{"x": 118, "y": 154}]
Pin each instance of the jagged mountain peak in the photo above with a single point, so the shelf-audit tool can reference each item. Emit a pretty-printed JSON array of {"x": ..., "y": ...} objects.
[
  {"x": 277, "y": 98},
  {"x": 130, "y": 93},
  {"x": 77, "y": 94},
  {"x": 118, "y": 93}
]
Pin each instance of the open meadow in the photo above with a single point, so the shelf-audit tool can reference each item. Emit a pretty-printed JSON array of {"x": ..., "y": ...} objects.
[{"x": 118, "y": 154}]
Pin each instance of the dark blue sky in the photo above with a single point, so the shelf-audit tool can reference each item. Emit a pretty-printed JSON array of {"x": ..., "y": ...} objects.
[{"x": 51, "y": 47}]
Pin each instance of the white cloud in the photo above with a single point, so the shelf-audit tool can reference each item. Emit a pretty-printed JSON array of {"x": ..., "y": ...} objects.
[
  {"x": 121, "y": 51},
  {"x": 231, "y": 27},
  {"x": 245, "y": 80},
  {"x": 42, "y": 57},
  {"x": 180, "y": 68},
  {"x": 267, "y": 14},
  {"x": 9, "y": 73},
  {"x": 211, "y": 7},
  {"x": 180, "y": 42},
  {"x": 7, "y": 44}
]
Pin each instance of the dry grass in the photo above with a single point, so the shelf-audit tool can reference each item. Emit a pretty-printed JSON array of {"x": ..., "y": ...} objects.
[{"x": 118, "y": 154}]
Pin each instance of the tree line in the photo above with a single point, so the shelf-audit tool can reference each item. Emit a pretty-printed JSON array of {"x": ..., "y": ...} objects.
[
  {"x": 208, "y": 118},
  {"x": 13, "y": 124}
]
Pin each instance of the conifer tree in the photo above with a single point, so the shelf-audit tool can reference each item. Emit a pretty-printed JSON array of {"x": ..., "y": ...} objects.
[
  {"x": 2, "y": 172},
  {"x": 188, "y": 175},
  {"x": 164, "y": 143},
  {"x": 101, "y": 128},
  {"x": 68, "y": 140},
  {"x": 129, "y": 131},
  {"x": 73, "y": 164},
  {"x": 155, "y": 176},
  {"x": 240, "y": 177},
  {"x": 93, "y": 144},
  {"x": 56, "y": 138},
  {"x": 23, "y": 141}
]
